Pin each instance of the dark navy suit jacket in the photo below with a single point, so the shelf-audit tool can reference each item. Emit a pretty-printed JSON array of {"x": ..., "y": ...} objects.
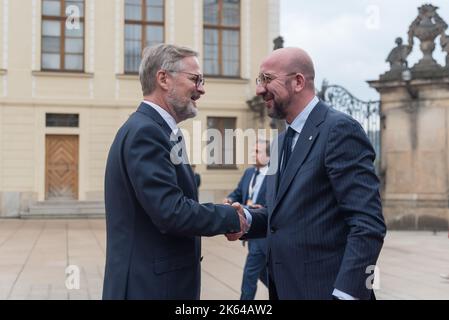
[
  {"x": 325, "y": 224},
  {"x": 153, "y": 219},
  {"x": 240, "y": 194}
]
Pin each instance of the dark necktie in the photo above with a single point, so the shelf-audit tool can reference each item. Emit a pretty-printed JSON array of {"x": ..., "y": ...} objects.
[
  {"x": 286, "y": 149},
  {"x": 256, "y": 173},
  {"x": 250, "y": 199}
]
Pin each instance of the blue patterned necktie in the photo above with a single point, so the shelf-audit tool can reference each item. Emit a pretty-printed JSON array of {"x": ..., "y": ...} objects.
[{"x": 286, "y": 149}]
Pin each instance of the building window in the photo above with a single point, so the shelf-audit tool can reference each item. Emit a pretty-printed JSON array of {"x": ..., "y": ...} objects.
[
  {"x": 144, "y": 26},
  {"x": 61, "y": 120},
  {"x": 63, "y": 35},
  {"x": 221, "y": 154},
  {"x": 222, "y": 38}
]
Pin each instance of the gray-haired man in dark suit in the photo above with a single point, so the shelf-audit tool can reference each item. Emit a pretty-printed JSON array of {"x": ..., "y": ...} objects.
[{"x": 153, "y": 218}]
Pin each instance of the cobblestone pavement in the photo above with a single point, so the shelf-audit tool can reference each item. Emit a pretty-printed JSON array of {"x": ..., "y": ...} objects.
[{"x": 35, "y": 253}]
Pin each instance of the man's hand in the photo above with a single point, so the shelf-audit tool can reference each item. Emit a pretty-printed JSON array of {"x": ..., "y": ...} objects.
[
  {"x": 227, "y": 201},
  {"x": 243, "y": 224}
]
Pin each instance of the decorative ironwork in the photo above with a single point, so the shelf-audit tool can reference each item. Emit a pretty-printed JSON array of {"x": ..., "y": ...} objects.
[
  {"x": 367, "y": 113},
  {"x": 257, "y": 106},
  {"x": 426, "y": 27}
]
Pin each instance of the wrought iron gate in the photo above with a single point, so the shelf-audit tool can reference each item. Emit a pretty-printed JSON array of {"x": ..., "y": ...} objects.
[{"x": 367, "y": 113}]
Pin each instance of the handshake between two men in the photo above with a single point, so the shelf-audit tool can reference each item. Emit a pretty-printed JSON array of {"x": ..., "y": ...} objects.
[
  {"x": 244, "y": 224},
  {"x": 324, "y": 214}
]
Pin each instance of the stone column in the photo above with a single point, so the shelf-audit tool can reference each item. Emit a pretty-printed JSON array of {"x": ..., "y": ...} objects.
[
  {"x": 415, "y": 152},
  {"x": 415, "y": 131}
]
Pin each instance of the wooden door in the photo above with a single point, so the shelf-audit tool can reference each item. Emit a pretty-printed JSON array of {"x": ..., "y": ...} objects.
[{"x": 61, "y": 177}]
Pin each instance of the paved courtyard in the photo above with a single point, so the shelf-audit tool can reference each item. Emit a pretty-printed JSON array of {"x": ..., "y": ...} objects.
[{"x": 35, "y": 253}]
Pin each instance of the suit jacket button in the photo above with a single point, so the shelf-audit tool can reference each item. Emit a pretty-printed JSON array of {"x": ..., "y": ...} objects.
[{"x": 273, "y": 230}]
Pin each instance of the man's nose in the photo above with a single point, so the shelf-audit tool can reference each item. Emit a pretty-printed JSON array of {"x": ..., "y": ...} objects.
[
  {"x": 260, "y": 90},
  {"x": 201, "y": 89}
]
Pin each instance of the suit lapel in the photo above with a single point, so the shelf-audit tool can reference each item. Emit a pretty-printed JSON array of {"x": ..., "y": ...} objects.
[
  {"x": 279, "y": 151},
  {"x": 153, "y": 114},
  {"x": 191, "y": 175},
  {"x": 307, "y": 138},
  {"x": 262, "y": 192},
  {"x": 246, "y": 183},
  {"x": 300, "y": 152}
]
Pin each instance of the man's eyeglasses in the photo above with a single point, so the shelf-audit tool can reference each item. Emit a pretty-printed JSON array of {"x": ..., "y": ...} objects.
[
  {"x": 198, "y": 78},
  {"x": 265, "y": 78}
]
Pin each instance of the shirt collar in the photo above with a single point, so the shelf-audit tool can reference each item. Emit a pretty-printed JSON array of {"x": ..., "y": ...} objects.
[
  {"x": 165, "y": 115},
  {"x": 263, "y": 170},
  {"x": 301, "y": 119}
]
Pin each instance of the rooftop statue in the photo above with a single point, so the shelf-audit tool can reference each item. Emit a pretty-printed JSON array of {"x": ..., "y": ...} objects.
[{"x": 398, "y": 56}]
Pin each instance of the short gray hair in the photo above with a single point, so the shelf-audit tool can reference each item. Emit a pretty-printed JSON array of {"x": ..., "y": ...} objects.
[{"x": 161, "y": 56}]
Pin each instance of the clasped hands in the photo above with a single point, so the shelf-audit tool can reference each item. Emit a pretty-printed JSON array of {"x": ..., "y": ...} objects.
[{"x": 243, "y": 223}]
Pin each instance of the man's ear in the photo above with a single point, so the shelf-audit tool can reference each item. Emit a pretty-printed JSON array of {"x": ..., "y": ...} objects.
[
  {"x": 161, "y": 78},
  {"x": 300, "y": 82}
]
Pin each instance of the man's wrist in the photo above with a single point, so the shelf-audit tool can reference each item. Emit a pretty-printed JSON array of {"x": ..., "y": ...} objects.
[
  {"x": 340, "y": 295},
  {"x": 249, "y": 218}
]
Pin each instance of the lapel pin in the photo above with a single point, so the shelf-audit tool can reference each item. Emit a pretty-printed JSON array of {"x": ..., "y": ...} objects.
[{"x": 310, "y": 138}]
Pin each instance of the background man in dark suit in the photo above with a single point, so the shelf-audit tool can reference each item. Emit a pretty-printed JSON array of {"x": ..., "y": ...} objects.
[
  {"x": 251, "y": 191},
  {"x": 324, "y": 216},
  {"x": 153, "y": 219}
]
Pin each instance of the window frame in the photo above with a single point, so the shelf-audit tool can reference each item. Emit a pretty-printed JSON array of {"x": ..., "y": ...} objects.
[
  {"x": 221, "y": 128},
  {"x": 143, "y": 24},
  {"x": 62, "y": 20},
  {"x": 220, "y": 28},
  {"x": 65, "y": 118}
]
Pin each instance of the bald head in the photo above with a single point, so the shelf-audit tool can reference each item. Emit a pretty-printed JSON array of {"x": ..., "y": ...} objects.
[
  {"x": 286, "y": 83},
  {"x": 292, "y": 60}
]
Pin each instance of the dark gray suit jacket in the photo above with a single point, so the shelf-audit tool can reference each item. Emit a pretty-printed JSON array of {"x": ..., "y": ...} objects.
[
  {"x": 153, "y": 219},
  {"x": 325, "y": 224}
]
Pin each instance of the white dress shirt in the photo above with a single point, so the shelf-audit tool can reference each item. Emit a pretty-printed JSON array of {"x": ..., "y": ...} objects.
[
  {"x": 259, "y": 181},
  {"x": 300, "y": 120},
  {"x": 165, "y": 115}
]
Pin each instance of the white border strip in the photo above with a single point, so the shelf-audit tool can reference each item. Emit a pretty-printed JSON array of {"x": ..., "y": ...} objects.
[
  {"x": 92, "y": 36},
  {"x": 33, "y": 34},
  {"x": 5, "y": 45},
  {"x": 274, "y": 28},
  {"x": 247, "y": 38},
  {"x": 5, "y": 33},
  {"x": 33, "y": 46},
  {"x": 171, "y": 10},
  {"x": 5, "y": 85},
  {"x": 91, "y": 69},
  {"x": 118, "y": 25},
  {"x": 196, "y": 25}
]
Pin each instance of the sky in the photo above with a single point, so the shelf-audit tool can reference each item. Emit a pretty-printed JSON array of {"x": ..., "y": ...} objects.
[{"x": 349, "y": 40}]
